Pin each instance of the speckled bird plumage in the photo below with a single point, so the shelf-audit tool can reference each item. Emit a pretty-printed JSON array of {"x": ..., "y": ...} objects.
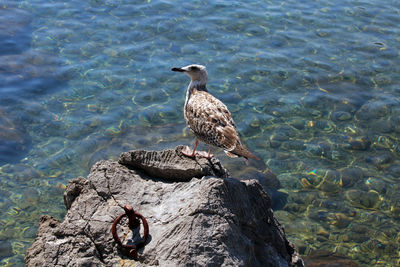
[{"x": 207, "y": 117}]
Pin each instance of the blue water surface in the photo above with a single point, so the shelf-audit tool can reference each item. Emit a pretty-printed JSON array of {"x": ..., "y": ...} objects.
[{"x": 312, "y": 85}]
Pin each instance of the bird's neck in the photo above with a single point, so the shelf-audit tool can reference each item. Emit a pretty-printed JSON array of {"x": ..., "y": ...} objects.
[{"x": 196, "y": 84}]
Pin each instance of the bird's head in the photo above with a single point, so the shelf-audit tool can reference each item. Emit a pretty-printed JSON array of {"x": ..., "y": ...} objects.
[{"x": 196, "y": 72}]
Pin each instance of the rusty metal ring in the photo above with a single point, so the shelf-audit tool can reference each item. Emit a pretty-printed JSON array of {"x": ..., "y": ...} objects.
[{"x": 133, "y": 217}]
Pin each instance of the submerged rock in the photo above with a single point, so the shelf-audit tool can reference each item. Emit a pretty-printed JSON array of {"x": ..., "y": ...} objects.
[
  {"x": 5, "y": 249},
  {"x": 351, "y": 176},
  {"x": 360, "y": 143},
  {"x": 329, "y": 260},
  {"x": 373, "y": 109},
  {"x": 394, "y": 170},
  {"x": 341, "y": 116},
  {"x": 210, "y": 221},
  {"x": 380, "y": 160}
]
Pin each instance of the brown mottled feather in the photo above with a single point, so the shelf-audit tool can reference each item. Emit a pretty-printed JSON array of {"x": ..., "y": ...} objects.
[{"x": 211, "y": 122}]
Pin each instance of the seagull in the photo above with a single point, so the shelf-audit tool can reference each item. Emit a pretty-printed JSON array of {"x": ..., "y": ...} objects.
[{"x": 208, "y": 118}]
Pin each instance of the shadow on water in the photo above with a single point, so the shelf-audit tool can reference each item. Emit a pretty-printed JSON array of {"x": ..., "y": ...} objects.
[{"x": 259, "y": 171}]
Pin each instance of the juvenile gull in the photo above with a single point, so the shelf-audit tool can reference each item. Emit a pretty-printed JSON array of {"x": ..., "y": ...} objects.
[{"x": 208, "y": 118}]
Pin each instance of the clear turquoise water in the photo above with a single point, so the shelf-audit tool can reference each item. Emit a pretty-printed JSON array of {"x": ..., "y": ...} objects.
[{"x": 313, "y": 87}]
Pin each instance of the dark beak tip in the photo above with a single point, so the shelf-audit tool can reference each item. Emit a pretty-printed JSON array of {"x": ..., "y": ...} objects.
[{"x": 177, "y": 69}]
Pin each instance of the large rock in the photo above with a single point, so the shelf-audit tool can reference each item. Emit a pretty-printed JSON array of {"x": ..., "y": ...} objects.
[{"x": 208, "y": 221}]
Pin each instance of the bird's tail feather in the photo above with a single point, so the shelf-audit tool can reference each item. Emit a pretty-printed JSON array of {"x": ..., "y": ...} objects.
[{"x": 240, "y": 151}]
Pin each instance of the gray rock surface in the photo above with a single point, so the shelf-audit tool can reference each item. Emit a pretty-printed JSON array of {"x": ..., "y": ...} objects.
[
  {"x": 172, "y": 164},
  {"x": 208, "y": 221}
]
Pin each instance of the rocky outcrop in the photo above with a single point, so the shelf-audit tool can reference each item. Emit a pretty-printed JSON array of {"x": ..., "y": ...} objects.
[{"x": 207, "y": 221}]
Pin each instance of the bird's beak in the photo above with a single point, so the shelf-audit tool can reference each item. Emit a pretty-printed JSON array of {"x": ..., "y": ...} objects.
[{"x": 178, "y": 69}]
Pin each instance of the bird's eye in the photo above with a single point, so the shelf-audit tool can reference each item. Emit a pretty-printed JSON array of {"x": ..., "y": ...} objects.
[{"x": 193, "y": 68}]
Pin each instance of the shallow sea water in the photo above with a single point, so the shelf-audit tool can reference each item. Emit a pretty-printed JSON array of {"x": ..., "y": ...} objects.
[{"x": 312, "y": 85}]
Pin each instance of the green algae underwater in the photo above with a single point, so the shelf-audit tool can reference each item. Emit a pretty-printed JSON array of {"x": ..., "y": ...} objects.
[{"x": 312, "y": 85}]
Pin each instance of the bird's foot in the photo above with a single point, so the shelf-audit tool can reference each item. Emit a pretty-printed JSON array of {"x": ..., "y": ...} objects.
[
  {"x": 205, "y": 154},
  {"x": 188, "y": 152},
  {"x": 192, "y": 154}
]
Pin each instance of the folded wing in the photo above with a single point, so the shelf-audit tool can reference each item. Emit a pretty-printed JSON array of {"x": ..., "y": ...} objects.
[{"x": 210, "y": 120}]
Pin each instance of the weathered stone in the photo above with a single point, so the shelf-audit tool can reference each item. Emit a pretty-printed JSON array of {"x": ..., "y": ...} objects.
[
  {"x": 210, "y": 221},
  {"x": 172, "y": 165},
  {"x": 74, "y": 188},
  {"x": 51, "y": 248}
]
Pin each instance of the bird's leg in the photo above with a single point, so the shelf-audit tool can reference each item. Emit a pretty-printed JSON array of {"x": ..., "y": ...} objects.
[
  {"x": 209, "y": 156},
  {"x": 190, "y": 153}
]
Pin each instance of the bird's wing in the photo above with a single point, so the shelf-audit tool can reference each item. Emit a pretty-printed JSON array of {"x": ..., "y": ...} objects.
[{"x": 211, "y": 120}]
